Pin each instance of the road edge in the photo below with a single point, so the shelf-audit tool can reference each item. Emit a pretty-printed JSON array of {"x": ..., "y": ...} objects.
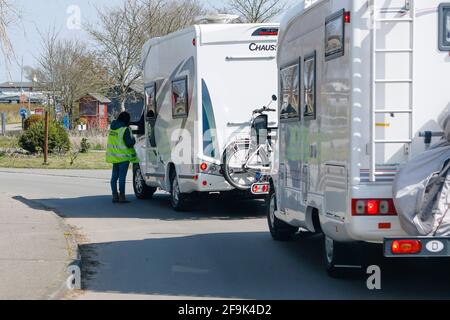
[
  {"x": 74, "y": 259},
  {"x": 72, "y": 248}
]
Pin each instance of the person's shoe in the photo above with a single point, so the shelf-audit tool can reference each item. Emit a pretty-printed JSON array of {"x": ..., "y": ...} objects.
[
  {"x": 116, "y": 198},
  {"x": 123, "y": 198}
]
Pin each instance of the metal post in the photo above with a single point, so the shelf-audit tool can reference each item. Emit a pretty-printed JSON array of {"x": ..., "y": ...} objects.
[
  {"x": 3, "y": 119},
  {"x": 46, "y": 139}
]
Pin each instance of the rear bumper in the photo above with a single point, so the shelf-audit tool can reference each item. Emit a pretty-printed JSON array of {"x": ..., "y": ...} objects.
[
  {"x": 431, "y": 247},
  {"x": 374, "y": 229},
  {"x": 204, "y": 183}
]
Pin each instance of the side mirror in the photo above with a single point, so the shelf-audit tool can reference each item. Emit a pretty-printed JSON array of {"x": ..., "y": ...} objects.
[
  {"x": 135, "y": 129},
  {"x": 138, "y": 127},
  {"x": 274, "y": 98}
]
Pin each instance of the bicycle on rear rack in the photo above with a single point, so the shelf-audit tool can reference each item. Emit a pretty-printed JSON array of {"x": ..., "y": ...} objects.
[{"x": 248, "y": 160}]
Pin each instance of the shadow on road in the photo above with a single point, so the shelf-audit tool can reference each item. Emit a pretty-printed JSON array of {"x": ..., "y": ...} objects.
[
  {"x": 157, "y": 208},
  {"x": 251, "y": 266},
  {"x": 248, "y": 265}
]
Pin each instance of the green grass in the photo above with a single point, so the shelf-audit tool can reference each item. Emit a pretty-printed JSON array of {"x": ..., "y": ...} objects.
[
  {"x": 9, "y": 142},
  {"x": 87, "y": 161}
]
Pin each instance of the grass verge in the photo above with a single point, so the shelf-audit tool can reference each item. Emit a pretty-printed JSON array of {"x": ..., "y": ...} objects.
[{"x": 87, "y": 161}]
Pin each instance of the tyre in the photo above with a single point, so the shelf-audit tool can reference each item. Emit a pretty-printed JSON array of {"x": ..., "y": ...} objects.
[
  {"x": 280, "y": 230},
  {"x": 341, "y": 259},
  {"x": 141, "y": 190},
  {"x": 234, "y": 160},
  {"x": 178, "y": 200}
]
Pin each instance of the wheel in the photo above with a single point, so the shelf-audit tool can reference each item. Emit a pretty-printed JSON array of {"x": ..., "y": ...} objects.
[
  {"x": 178, "y": 200},
  {"x": 341, "y": 259},
  {"x": 234, "y": 160},
  {"x": 141, "y": 190},
  {"x": 280, "y": 230}
]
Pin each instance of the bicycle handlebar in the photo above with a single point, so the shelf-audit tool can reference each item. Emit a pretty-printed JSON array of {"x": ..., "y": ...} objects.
[{"x": 264, "y": 109}]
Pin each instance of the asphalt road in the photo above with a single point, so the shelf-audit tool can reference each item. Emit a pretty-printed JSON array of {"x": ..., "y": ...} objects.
[{"x": 221, "y": 250}]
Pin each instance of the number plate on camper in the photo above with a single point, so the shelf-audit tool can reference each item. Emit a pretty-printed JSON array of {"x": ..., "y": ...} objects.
[{"x": 416, "y": 247}]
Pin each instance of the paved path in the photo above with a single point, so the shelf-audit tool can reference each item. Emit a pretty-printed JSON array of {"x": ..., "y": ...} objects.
[
  {"x": 220, "y": 250},
  {"x": 33, "y": 250}
]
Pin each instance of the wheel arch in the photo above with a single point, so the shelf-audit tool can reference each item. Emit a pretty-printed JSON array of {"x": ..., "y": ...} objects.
[
  {"x": 313, "y": 220},
  {"x": 170, "y": 170}
]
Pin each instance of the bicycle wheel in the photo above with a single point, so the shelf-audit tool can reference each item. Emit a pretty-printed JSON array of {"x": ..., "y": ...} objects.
[{"x": 235, "y": 172}]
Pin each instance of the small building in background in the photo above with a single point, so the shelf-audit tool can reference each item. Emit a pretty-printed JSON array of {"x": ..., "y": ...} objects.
[
  {"x": 93, "y": 107},
  {"x": 21, "y": 92}
]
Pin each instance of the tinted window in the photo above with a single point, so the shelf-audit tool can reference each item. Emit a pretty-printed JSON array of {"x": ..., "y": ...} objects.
[
  {"x": 444, "y": 27},
  {"x": 310, "y": 87},
  {"x": 289, "y": 92},
  {"x": 334, "y": 36},
  {"x": 150, "y": 101},
  {"x": 447, "y": 26},
  {"x": 179, "y": 99}
]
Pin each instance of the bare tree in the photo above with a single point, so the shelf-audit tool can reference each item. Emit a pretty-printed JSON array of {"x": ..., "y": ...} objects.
[
  {"x": 164, "y": 17},
  {"x": 69, "y": 70},
  {"x": 255, "y": 11},
  {"x": 124, "y": 30},
  {"x": 120, "y": 39},
  {"x": 8, "y": 15}
]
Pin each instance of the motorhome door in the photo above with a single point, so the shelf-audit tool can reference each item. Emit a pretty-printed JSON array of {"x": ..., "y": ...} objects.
[
  {"x": 309, "y": 140},
  {"x": 289, "y": 191},
  {"x": 150, "y": 123}
]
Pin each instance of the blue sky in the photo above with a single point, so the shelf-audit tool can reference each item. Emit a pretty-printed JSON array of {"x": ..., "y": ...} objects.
[{"x": 42, "y": 15}]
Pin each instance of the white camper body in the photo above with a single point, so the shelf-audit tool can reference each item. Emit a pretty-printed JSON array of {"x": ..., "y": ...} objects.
[
  {"x": 363, "y": 80},
  {"x": 201, "y": 86}
]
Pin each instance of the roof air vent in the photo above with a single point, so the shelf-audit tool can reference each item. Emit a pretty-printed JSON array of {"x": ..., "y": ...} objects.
[{"x": 217, "y": 19}]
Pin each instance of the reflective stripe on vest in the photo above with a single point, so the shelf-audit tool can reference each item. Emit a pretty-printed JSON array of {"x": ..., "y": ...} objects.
[{"x": 117, "y": 151}]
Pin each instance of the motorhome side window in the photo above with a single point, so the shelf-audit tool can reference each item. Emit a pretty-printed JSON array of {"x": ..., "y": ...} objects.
[
  {"x": 444, "y": 27},
  {"x": 310, "y": 87},
  {"x": 289, "y": 92},
  {"x": 150, "y": 101},
  {"x": 334, "y": 35},
  {"x": 179, "y": 98}
]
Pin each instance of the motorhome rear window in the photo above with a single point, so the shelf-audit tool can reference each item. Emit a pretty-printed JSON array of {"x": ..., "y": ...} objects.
[
  {"x": 290, "y": 92},
  {"x": 444, "y": 27},
  {"x": 150, "y": 101},
  {"x": 334, "y": 35},
  {"x": 310, "y": 87},
  {"x": 264, "y": 32},
  {"x": 179, "y": 98}
]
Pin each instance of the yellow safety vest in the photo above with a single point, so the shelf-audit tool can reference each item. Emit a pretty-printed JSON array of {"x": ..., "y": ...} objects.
[{"x": 117, "y": 151}]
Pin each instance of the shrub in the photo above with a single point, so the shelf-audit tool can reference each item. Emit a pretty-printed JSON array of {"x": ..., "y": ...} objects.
[
  {"x": 34, "y": 118},
  {"x": 32, "y": 139},
  {"x": 85, "y": 146}
]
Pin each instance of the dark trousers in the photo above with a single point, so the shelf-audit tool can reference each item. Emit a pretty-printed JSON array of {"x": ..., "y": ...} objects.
[{"x": 119, "y": 173}]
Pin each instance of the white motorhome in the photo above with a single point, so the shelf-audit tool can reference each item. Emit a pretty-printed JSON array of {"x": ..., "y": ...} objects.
[
  {"x": 201, "y": 86},
  {"x": 361, "y": 83}
]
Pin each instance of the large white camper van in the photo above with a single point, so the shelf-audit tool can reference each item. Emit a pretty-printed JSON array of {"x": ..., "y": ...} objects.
[
  {"x": 361, "y": 83},
  {"x": 201, "y": 86}
]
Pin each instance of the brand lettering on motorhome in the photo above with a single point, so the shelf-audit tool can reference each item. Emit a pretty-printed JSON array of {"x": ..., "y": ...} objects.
[{"x": 262, "y": 47}]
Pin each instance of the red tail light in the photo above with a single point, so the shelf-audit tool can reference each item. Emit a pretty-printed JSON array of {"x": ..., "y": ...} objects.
[
  {"x": 373, "y": 207},
  {"x": 347, "y": 17},
  {"x": 203, "y": 166},
  {"x": 260, "y": 188},
  {"x": 268, "y": 33},
  {"x": 406, "y": 247}
]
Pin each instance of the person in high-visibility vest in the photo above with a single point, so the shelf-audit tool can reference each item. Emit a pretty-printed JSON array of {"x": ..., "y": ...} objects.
[{"x": 120, "y": 152}]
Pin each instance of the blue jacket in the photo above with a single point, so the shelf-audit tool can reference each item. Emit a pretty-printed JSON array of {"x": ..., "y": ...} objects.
[{"x": 128, "y": 138}]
